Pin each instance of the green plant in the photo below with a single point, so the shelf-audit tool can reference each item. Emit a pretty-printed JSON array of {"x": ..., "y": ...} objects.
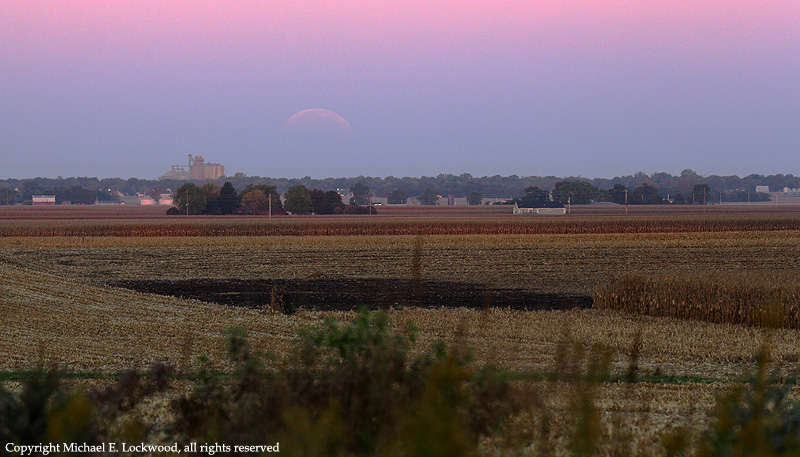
[{"x": 758, "y": 418}]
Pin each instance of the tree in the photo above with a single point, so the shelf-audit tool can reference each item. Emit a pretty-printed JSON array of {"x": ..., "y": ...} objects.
[
  {"x": 253, "y": 202},
  {"x": 228, "y": 199},
  {"x": 361, "y": 194},
  {"x": 8, "y": 196},
  {"x": 270, "y": 191},
  {"x": 397, "y": 197},
  {"x": 534, "y": 195},
  {"x": 357, "y": 209},
  {"x": 429, "y": 197},
  {"x": 679, "y": 200},
  {"x": 474, "y": 198},
  {"x": 617, "y": 194},
  {"x": 326, "y": 202},
  {"x": 645, "y": 194},
  {"x": 212, "y": 198},
  {"x": 190, "y": 199},
  {"x": 575, "y": 192},
  {"x": 75, "y": 194},
  {"x": 104, "y": 195},
  {"x": 700, "y": 194},
  {"x": 298, "y": 200},
  {"x": 155, "y": 193}
]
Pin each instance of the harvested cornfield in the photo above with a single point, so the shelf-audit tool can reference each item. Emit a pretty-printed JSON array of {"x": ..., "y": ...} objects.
[
  {"x": 53, "y": 320},
  {"x": 756, "y": 298},
  {"x": 70, "y": 301}
]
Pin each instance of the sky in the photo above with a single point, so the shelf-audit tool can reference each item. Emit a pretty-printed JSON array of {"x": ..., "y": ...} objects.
[{"x": 537, "y": 87}]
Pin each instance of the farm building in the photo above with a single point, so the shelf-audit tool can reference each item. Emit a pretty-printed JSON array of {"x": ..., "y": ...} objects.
[
  {"x": 165, "y": 199},
  {"x": 43, "y": 199},
  {"x": 146, "y": 200},
  {"x": 178, "y": 172},
  {"x": 542, "y": 208},
  {"x": 198, "y": 170},
  {"x": 201, "y": 170}
]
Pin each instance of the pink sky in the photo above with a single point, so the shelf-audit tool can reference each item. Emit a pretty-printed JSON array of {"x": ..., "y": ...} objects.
[{"x": 376, "y": 62}]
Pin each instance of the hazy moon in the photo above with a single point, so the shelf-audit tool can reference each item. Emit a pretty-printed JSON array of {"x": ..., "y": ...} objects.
[{"x": 319, "y": 124}]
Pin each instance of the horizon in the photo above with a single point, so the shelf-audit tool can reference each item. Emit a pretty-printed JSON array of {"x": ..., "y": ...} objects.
[{"x": 307, "y": 177}]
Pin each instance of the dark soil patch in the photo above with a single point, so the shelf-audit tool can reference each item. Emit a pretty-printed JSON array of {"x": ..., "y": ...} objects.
[{"x": 349, "y": 294}]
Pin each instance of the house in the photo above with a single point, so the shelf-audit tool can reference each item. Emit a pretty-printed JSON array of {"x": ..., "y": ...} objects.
[{"x": 541, "y": 208}]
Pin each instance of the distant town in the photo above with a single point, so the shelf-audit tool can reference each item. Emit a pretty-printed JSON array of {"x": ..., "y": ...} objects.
[{"x": 444, "y": 189}]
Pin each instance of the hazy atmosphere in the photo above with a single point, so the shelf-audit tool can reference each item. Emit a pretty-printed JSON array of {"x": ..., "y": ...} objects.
[{"x": 592, "y": 88}]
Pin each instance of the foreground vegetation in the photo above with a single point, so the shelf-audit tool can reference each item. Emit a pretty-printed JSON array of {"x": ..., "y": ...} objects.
[{"x": 357, "y": 389}]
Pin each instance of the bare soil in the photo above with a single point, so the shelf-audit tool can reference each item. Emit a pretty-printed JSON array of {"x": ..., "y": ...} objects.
[{"x": 350, "y": 294}]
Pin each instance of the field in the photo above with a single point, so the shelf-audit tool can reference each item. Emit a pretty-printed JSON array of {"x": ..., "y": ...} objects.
[{"x": 76, "y": 293}]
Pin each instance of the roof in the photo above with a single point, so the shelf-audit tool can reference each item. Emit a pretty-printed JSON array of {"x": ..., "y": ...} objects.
[{"x": 539, "y": 204}]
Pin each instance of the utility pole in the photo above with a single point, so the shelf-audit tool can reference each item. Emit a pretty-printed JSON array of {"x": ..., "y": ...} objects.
[
  {"x": 187, "y": 201},
  {"x": 270, "y": 205},
  {"x": 626, "y": 202},
  {"x": 704, "y": 200},
  {"x": 569, "y": 205}
]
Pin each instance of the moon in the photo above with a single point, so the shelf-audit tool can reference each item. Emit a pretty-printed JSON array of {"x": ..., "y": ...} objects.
[{"x": 317, "y": 124}]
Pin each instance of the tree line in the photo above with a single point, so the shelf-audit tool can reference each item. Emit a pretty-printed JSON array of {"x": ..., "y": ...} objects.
[
  {"x": 191, "y": 199},
  {"x": 426, "y": 188}
]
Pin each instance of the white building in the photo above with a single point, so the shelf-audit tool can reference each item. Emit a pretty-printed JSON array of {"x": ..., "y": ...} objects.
[
  {"x": 526, "y": 209},
  {"x": 43, "y": 199},
  {"x": 165, "y": 199}
]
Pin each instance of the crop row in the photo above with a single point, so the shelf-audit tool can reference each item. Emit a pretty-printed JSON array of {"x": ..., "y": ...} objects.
[{"x": 404, "y": 226}]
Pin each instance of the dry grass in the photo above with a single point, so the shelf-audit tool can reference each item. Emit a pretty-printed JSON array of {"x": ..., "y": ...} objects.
[{"x": 634, "y": 418}]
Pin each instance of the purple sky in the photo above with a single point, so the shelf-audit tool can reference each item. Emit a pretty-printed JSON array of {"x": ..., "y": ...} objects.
[{"x": 593, "y": 88}]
